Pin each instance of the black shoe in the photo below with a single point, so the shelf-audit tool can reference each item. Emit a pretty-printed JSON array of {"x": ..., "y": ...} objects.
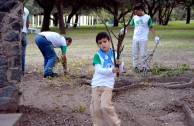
[
  {"x": 51, "y": 75},
  {"x": 144, "y": 70},
  {"x": 135, "y": 69}
]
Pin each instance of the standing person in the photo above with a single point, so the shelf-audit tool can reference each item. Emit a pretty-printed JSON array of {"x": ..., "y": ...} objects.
[
  {"x": 143, "y": 24},
  {"x": 102, "y": 110},
  {"x": 46, "y": 42},
  {"x": 26, "y": 17}
]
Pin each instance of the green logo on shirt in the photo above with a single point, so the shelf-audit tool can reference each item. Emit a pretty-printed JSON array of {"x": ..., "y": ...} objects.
[{"x": 140, "y": 21}]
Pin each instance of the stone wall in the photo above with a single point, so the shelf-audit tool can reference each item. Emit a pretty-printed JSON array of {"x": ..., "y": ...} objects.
[{"x": 10, "y": 54}]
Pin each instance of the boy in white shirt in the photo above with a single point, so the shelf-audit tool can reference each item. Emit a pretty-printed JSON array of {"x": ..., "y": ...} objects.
[
  {"x": 142, "y": 24},
  {"x": 102, "y": 110}
]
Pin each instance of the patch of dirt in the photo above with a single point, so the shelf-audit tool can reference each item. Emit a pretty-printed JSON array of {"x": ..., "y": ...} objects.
[{"x": 65, "y": 101}]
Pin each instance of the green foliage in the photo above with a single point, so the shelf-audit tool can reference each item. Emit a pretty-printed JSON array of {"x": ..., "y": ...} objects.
[
  {"x": 157, "y": 69},
  {"x": 184, "y": 67},
  {"x": 168, "y": 71},
  {"x": 79, "y": 108}
]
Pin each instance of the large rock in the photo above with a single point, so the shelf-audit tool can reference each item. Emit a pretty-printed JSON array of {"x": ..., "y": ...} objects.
[
  {"x": 7, "y": 5},
  {"x": 9, "y": 99}
]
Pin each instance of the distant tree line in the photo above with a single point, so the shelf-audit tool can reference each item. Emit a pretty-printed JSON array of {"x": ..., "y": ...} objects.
[{"x": 160, "y": 10}]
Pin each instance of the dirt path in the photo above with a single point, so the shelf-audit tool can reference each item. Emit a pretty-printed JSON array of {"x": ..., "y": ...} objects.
[{"x": 65, "y": 102}]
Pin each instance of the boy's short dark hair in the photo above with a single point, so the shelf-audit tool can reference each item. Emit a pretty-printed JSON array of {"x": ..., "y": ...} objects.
[
  {"x": 102, "y": 35},
  {"x": 138, "y": 6}
]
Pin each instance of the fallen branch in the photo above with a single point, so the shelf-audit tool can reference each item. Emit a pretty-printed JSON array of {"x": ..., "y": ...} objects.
[
  {"x": 140, "y": 83},
  {"x": 175, "y": 85},
  {"x": 189, "y": 114},
  {"x": 187, "y": 110},
  {"x": 129, "y": 87}
]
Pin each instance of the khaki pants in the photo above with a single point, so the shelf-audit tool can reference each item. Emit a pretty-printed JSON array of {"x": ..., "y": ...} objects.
[{"x": 102, "y": 109}]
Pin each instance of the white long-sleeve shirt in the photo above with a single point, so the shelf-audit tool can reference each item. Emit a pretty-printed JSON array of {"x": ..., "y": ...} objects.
[{"x": 103, "y": 76}]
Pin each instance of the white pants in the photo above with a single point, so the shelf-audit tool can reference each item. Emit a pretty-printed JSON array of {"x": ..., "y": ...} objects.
[{"x": 139, "y": 48}]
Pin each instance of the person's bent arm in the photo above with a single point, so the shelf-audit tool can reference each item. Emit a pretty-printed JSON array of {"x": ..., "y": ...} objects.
[
  {"x": 64, "y": 59},
  {"x": 64, "y": 63}
]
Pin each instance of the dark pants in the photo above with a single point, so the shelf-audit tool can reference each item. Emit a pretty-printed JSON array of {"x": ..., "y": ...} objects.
[{"x": 24, "y": 44}]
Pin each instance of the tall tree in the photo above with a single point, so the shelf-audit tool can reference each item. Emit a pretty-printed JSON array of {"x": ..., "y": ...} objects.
[
  {"x": 56, "y": 19},
  {"x": 165, "y": 11},
  {"x": 114, "y": 7},
  {"x": 76, "y": 20},
  {"x": 47, "y": 6},
  {"x": 152, "y": 6},
  {"x": 74, "y": 6},
  {"x": 59, "y": 4},
  {"x": 188, "y": 4}
]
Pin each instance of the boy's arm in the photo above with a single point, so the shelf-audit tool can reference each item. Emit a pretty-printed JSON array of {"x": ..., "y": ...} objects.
[
  {"x": 98, "y": 66},
  {"x": 156, "y": 38},
  {"x": 151, "y": 28},
  {"x": 153, "y": 31},
  {"x": 104, "y": 71}
]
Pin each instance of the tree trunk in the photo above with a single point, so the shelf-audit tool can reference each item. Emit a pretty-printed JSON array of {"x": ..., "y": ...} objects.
[
  {"x": 47, "y": 6},
  {"x": 116, "y": 22},
  {"x": 59, "y": 5},
  {"x": 159, "y": 17},
  {"x": 76, "y": 20},
  {"x": 56, "y": 18},
  {"x": 69, "y": 19},
  {"x": 188, "y": 15},
  {"x": 73, "y": 12},
  {"x": 46, "y": 21},
  {"x": 166, "y": 21}
]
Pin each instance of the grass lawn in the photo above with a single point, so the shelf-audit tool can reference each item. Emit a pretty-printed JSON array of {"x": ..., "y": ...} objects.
[{"x": 176, "y": 46}]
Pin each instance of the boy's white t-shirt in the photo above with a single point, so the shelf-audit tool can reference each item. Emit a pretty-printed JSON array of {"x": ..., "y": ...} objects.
[
  {"x": 142, "y": 25},
  {"x": 56, "y": 39}
]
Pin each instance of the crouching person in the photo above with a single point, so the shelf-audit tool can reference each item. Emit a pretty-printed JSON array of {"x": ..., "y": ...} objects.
[{"x": 46, "y": 42}]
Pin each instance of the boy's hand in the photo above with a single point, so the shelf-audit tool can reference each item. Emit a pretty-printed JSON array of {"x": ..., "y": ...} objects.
[
  {"x": 122, "y": 31},
  {"x": 65, "y": 72},
  {"x": 115, "y": 70},
  {"x": 157, "y": 39},
  {"x": 118, "y": 62}
]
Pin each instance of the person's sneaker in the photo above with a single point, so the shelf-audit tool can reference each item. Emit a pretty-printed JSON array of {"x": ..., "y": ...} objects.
[
  {"x": 135, "y": 69},
  {"x": 51, "y": 75}
]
